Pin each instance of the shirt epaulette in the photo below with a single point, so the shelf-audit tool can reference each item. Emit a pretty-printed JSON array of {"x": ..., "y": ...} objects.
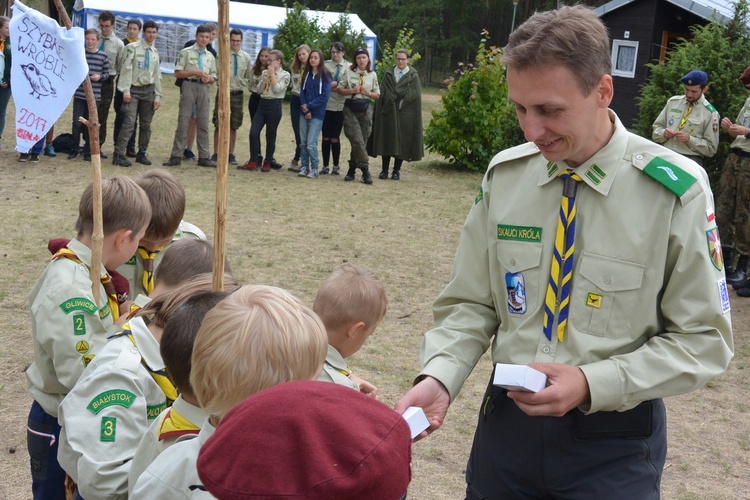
[
  {"x": 666, "y": 173},
  {"x": 710, "y": 107},
  {"x": 129, "y": 360},
  {"x": 514, "y": 153}
]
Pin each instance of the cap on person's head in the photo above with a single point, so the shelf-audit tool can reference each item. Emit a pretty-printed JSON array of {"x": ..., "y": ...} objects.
[
  {"x": 695, "y": 77},
  {"x": 308, "y": 439},
  {"x": 745, "y": 77},
  {"x": 361, "y": 50}
]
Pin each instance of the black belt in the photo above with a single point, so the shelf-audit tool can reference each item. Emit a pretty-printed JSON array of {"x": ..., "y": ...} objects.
[
  {"x": 193, "y": 80},
  {"x": 739, "y": 152},
  {"x": 143, "y": 86},
  {"x": 235, "y": 92}
]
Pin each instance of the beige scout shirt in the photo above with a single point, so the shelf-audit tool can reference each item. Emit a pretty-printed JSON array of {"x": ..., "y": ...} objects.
[
  {"x": 296, "y": 80},
  {"x": 113, "y": 47},
  {"x": 649, "y": 309},
  {"x": 740, "y": 142},
  {"x": 702, "y": 125},
  {"x": 105, "y": 415},
  {"x": 132, "y": 270},
  {"x": 240, "y": 70},
  {"x": 336, "y": 101},
  {"x": 140, "y": 67},
  {"x": 67, "y": 327},
  {"x": 352, "y": 78},
  {"x": 191, "y": 58},
  {"x": 335, "y": 369},
  {"x": 277, "y": 91},
  {"x": 173, "y": 472},
  {"x": 150, "y": 447}
]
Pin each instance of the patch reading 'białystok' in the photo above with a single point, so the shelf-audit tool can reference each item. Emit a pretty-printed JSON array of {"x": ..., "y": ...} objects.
[{"x": 105, "y": 399}]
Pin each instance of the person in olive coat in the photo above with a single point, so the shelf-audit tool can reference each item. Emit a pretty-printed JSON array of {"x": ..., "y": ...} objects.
[{"x": 397, "y": 127}]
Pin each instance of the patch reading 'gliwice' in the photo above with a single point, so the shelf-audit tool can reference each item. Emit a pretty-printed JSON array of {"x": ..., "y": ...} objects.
[{"x": 516, "y": 287}]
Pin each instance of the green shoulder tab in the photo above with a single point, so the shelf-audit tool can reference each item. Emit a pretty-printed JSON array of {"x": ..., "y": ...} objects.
[
  {"x": 669, "y": 175},
  {"x": 480, "y": 195},
  {"x": 78, "y": 304},
  {"x": 118, "y": 397},
  {"x": 710, "y": 107}
]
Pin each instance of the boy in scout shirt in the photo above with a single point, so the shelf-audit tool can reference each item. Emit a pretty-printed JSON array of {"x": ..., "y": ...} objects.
[
  {"x": 351, "y": 303},
  {"x": 119, "y": 394},
  {"x": 113, "y": 47},
  {"x": 68, "y": 328},
  {"x": 140, "y": 84},
  {"x": 184, "y": 418},
  {"x": 167, "y": 198},
  {"x": 197, "y": 66},
  {"x": 257, "y": 337},
  {"x": 688, "y": 124}
]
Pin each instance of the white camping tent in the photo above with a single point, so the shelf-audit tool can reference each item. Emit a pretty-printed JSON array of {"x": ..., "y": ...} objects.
[{"x": 177, "y": 21}]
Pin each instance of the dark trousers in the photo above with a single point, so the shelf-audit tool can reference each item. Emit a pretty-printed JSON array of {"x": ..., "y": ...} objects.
[
  {"x": 518, "y": 456},
  {"x": 108, "y": 88},
  {"x": 252, "y": 104},
  {"x": 269, "y": 116},
  {"x": 120, "y": 117},
  {"x": 43, "y": 436},
  {"x": 294, "y": 113},
  {"x": 80, "y": 108}
]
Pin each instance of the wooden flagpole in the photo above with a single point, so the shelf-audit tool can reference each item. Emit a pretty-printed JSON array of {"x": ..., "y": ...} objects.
[
  {"x": 220, "y": 219},
  {"x": 97, "y": 237}
]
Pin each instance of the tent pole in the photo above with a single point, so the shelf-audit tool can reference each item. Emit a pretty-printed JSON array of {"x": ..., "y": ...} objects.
[{"x": 222, "y": 148}]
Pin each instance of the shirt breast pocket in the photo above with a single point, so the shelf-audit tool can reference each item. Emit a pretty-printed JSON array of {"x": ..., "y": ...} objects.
[
  {"x": 519, "y": 276},
  {"x": 605, "y": 295}
]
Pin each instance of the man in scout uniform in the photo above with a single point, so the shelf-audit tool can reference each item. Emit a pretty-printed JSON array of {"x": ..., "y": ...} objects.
[
  {"x": 134, "y": 35},
  {"x": 197, "y": 66},
  {"x": 688, "y": 124},
  {"x": 240, "y": 68},
  {"x": 113, "y": 47},
  {"x": 733, "y": 199},
  {"x": 140, "y": 84},
  {"x": 68, "y": 327},
  {"x": 626, "y": 307}
]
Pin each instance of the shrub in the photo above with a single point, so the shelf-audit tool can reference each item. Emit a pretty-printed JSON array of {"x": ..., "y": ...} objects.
[
  {"x": 477, "y": 120},
  {"x": 342, "y": 31},
  {"x": 404, "y": 40},
  {"x": 295, "y": 30},
  {"x": 721, "y": 51}
]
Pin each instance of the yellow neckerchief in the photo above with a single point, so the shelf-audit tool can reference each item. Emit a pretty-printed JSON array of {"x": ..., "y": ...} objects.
[
  {"x": 361, "y": 79},
  {"x": 2, "y": 44},
  {"x": 148, "y": 269},
  {"x": 685, "y": 118},
  {"x": 106, "y": 280},
  {"x": 160, "y": 376},
  {"x": 175, "y": 425}
]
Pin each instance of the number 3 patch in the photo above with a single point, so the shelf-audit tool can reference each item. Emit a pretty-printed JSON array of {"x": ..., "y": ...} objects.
[{"x": 109, "y": 425}]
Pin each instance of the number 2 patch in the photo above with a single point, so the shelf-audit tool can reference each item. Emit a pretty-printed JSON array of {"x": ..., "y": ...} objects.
[
  {"x": 109, "y": 426},
  {"x": 79, "y": 324}
]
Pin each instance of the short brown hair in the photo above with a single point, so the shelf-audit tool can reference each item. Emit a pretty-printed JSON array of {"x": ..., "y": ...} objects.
[
  {"x": 352, "y": 293},
  {"x": 92, "y": 31},
  {"x": 167, "y": 202},
  {"x": 124, "y": 206},
  {"x": 185, "y": 259},
  {"x": 257, "y": 337},
  {"x": 177, "y": 341},
  {"x": 277, "y": 54},
  {"x": 573, "y": 37}
]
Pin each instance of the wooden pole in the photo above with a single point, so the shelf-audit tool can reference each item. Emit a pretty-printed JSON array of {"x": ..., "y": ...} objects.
[
  {"x": 97, "y": 237},
  {"x": 222, "y": 149}
]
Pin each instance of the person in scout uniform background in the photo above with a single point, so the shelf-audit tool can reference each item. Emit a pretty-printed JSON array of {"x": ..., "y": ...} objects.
[
  {"x": 334, "y": 119},
  {"x": 733, "y": 199},
  {"x": 68, "y": 328},
  {"x": 197, "y": 66},
  {"x": 134, "y": 35},
  {"x": 114, "y": 48},
  {"x": 688, "y": 124},
  {"x": 625, "y": 297},
  {"x": 140, "y": 85}
]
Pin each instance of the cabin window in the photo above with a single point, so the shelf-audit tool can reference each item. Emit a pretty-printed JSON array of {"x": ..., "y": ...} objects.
[{"x": 624, "y": 54}]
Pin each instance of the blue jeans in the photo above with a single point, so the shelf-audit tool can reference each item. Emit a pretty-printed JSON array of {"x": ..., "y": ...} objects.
[
  {"x": 42, "y": 437},
  {"x": 309, "y": 131},
  {"x": 4, "y": 98}
]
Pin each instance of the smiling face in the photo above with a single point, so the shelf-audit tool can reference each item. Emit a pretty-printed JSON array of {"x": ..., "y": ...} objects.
[
  {"x": 91, "y": 42},
  {"x": 263, "y": 56},
  {"x": 555, "y": 115},
  {"x": 235, "y": 42},
  {"x": 202, "y": 39}
]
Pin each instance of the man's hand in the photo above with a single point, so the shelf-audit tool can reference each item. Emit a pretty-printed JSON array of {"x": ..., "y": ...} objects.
[
  {"x": 668, "y": 133},
  {"x": 365, "y": 387},
  {"x": 432, "y": 397},
  {"x": 737, "y": 130},
  {"x": 126, "y": 98},
  {"x": 726, "y": 123},
  {"x": 566, "y": 389},
  {"x": 156, "y": 105},
  {"x": 682, "y": 137}
]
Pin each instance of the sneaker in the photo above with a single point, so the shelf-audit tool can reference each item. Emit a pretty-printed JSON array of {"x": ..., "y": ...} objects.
[
  {"x": 324, "y": 171},
  {"x": 142, "y": 159},
  {"x": 266, "y": 166},
  {"x": 232, "y": 159},
  {"x": 214, "y": 157},
  {"x": 395, "y": 175},
  {"x": 206, "y": 162},
  {"x": 294, "y": 166},
  {"x": 335, "y": 170},
  {"x": 73, "y": 155},
  {"x": 174, "y": 161},
  {"x": 188, "y": 155},
  {"x": 49, "y": 150},
  {"x": 366, "y": 177},
  {"x": 276, "y": 165},
  {"x": 250, "y": 165},
  {"x": 130, "y": 153},
  {"x": 24, "y": 157},
  {"x": 120, "y": 161},
  {"x": 302, "y": 172},
  {"x": 313, "y": 174},
  {"x": 383, "y": 175},
  {"x": 34, "y": 158}
]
